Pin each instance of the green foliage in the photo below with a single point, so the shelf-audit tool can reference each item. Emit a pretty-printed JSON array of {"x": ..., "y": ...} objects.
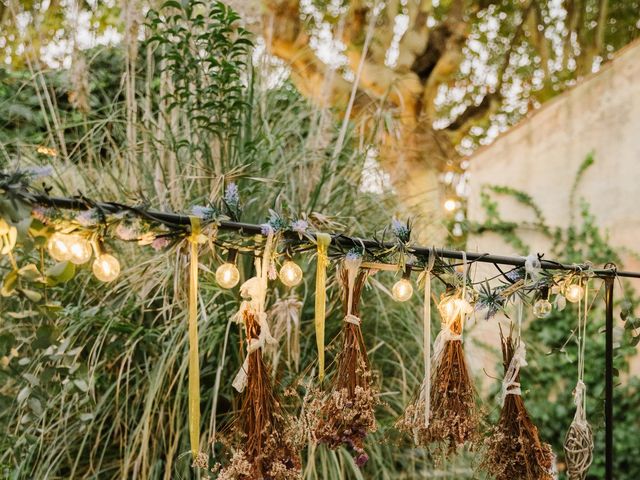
[
  {"x": 205, "y": 54},
  {"x": 93, "y": 383},
  {"x": 551, "y": 375}
]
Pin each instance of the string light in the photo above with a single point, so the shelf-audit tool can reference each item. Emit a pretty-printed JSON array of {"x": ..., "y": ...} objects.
[
  {"x": 106, "y": 267},
  {"x": 79, "y": 249},
  {"x": 450, "y": 205},
  {"x": 290, "y": 274},
  {"x": 574, "y": 293},
  {"x": 402, "y": 290},
  {"x": 542, "y": 308},
  {"x": 454, "y": 306},
  {"x": 227, "y": 274},
  {"x": 58, "y": 247}
]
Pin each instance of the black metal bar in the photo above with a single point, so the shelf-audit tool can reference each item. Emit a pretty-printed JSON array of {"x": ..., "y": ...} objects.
[
  {"x": 173, "y": 219},
  {"x": 608, "y": 372}
]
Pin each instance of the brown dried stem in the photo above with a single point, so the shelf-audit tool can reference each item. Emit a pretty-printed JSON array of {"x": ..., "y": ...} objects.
[
  {"x": 454, "y": 416},
  {"x": 345, "y": 415},
  {"x": 269, "y": 450},
  {"x": 514, "y": 448}
]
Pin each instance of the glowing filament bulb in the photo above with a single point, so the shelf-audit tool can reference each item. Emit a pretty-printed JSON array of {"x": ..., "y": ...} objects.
[
  {"x": 450, "y": 205},
  {"x": 290, "y": 274},
  {"x": 227, "y": 275},
  {"x": 106, "y": 267},
  {"x": 453, "y": 307},
  {"x": 79, "y": 249},
  {"x": 542, "y": 308},
  {"x": 402, "y": 290},
  {"x": 574, "y": 293},
  {"x": 58, "y": 246}
]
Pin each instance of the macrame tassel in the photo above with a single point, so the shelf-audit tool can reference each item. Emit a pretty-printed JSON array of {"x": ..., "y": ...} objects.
[
  {"x": 514, "y": 447},
  {"x": 323, "y": 240},
  {"x": 345, "y": 415},
  {"x": 194, "y": 358},
  {"x": 578, "y": 443}
]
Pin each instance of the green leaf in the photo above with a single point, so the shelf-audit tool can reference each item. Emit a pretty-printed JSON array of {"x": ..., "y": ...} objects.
[
  {"x": 23, "y": 395},
  {"x": 46, "y": 335},
  {"x": 32, "y": 379},
  {"x": 61, "y": 272},
  {"x": 35, "y": 405},
  {"x": 8, "y": 285},
  {"x": 82, "y": 385},
  {"x": 31, "y": 294},
  {"x": 29, "y": 272}
]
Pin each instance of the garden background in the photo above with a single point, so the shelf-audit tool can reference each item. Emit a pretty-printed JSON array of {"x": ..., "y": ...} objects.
[{"x": 339, "y": 113}]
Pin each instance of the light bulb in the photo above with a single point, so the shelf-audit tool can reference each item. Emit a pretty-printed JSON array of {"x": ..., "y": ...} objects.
[
  {"x": 290, "y": 274},
  {"x": 58, "y": 246},
  {"x": 574, "y": 293},
  {"x": 452, "y": 307},
  {"x": 402, "y": 290},
  {"x": 542, "y": 308},
  {"x": 227, "y": 275},
  {"x": 450, "y": 205},
  {"x": 106, "y": 267},
  {"x": 79, "y": 249}
]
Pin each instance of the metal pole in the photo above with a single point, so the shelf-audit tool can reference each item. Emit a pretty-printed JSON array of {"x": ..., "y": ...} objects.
[
  {"x": 180, "y": 220},
  {"x": 608, "y": 372}
]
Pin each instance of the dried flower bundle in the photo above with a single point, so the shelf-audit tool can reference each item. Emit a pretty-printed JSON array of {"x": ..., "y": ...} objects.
[
  {"x": 514, "y": 447},
  {"x": 345, "y": 415},
  {"x": 453, "y": 419},
  {"x": 270, "y": 443}
]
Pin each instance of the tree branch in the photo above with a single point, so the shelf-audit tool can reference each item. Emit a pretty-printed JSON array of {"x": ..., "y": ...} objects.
[{"x": 286, "y": 38}]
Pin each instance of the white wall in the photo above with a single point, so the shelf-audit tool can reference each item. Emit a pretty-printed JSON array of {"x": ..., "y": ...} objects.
[{"x": 542, "y": 154}]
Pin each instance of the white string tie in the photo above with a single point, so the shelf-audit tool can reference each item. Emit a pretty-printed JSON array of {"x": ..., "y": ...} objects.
[
  {"x": 509, "y": 384},
  {"x": 255, "y": 290},
  {"x": 349, "y": 318},
  {"x": 352, "y": 265},
  {"x": 532, "y": 266}
]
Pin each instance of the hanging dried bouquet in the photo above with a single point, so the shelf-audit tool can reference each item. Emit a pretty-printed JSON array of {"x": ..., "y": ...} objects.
[
  {"x": 450, "y": 419},
  {"x": 345, "y": 415},
  {"x": 514, "y": 447},
  {"x": 269, "y": 440}
]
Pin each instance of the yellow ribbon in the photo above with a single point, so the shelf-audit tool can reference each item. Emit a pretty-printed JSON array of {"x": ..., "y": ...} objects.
[
  {"x": 323, "y": 240},
  {"x": 194, "y": 359}
]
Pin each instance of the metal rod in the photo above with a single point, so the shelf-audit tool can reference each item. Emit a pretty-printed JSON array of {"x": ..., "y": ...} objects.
[
  {"x": 179, "y": 220},
  {"x": 608, "y": 372}
]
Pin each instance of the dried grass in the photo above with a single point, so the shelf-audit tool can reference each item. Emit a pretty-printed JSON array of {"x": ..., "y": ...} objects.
[
  {"x": 345, "y": 415},
  {"x": 270, "y": 441},
  {"x": 514, "y": 448},
  {"x": 454, "y": 416}
]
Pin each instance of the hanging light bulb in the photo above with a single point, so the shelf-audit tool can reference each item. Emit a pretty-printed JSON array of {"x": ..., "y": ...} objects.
[
  {"x": 454, "y": 306},
  {"x": 227, "y": 275},
  {"x": 106, "y": 267},
  {"x": 290, "y": 274},
  {"x": 402, "y": 290},
  {"x": 79, "y": 249},
  {"x": 542, "y": 308},
  {"x": 574, "y": 293},
  {"x": 450, "y": 205},
  {"x": 58, "y": 247}
]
